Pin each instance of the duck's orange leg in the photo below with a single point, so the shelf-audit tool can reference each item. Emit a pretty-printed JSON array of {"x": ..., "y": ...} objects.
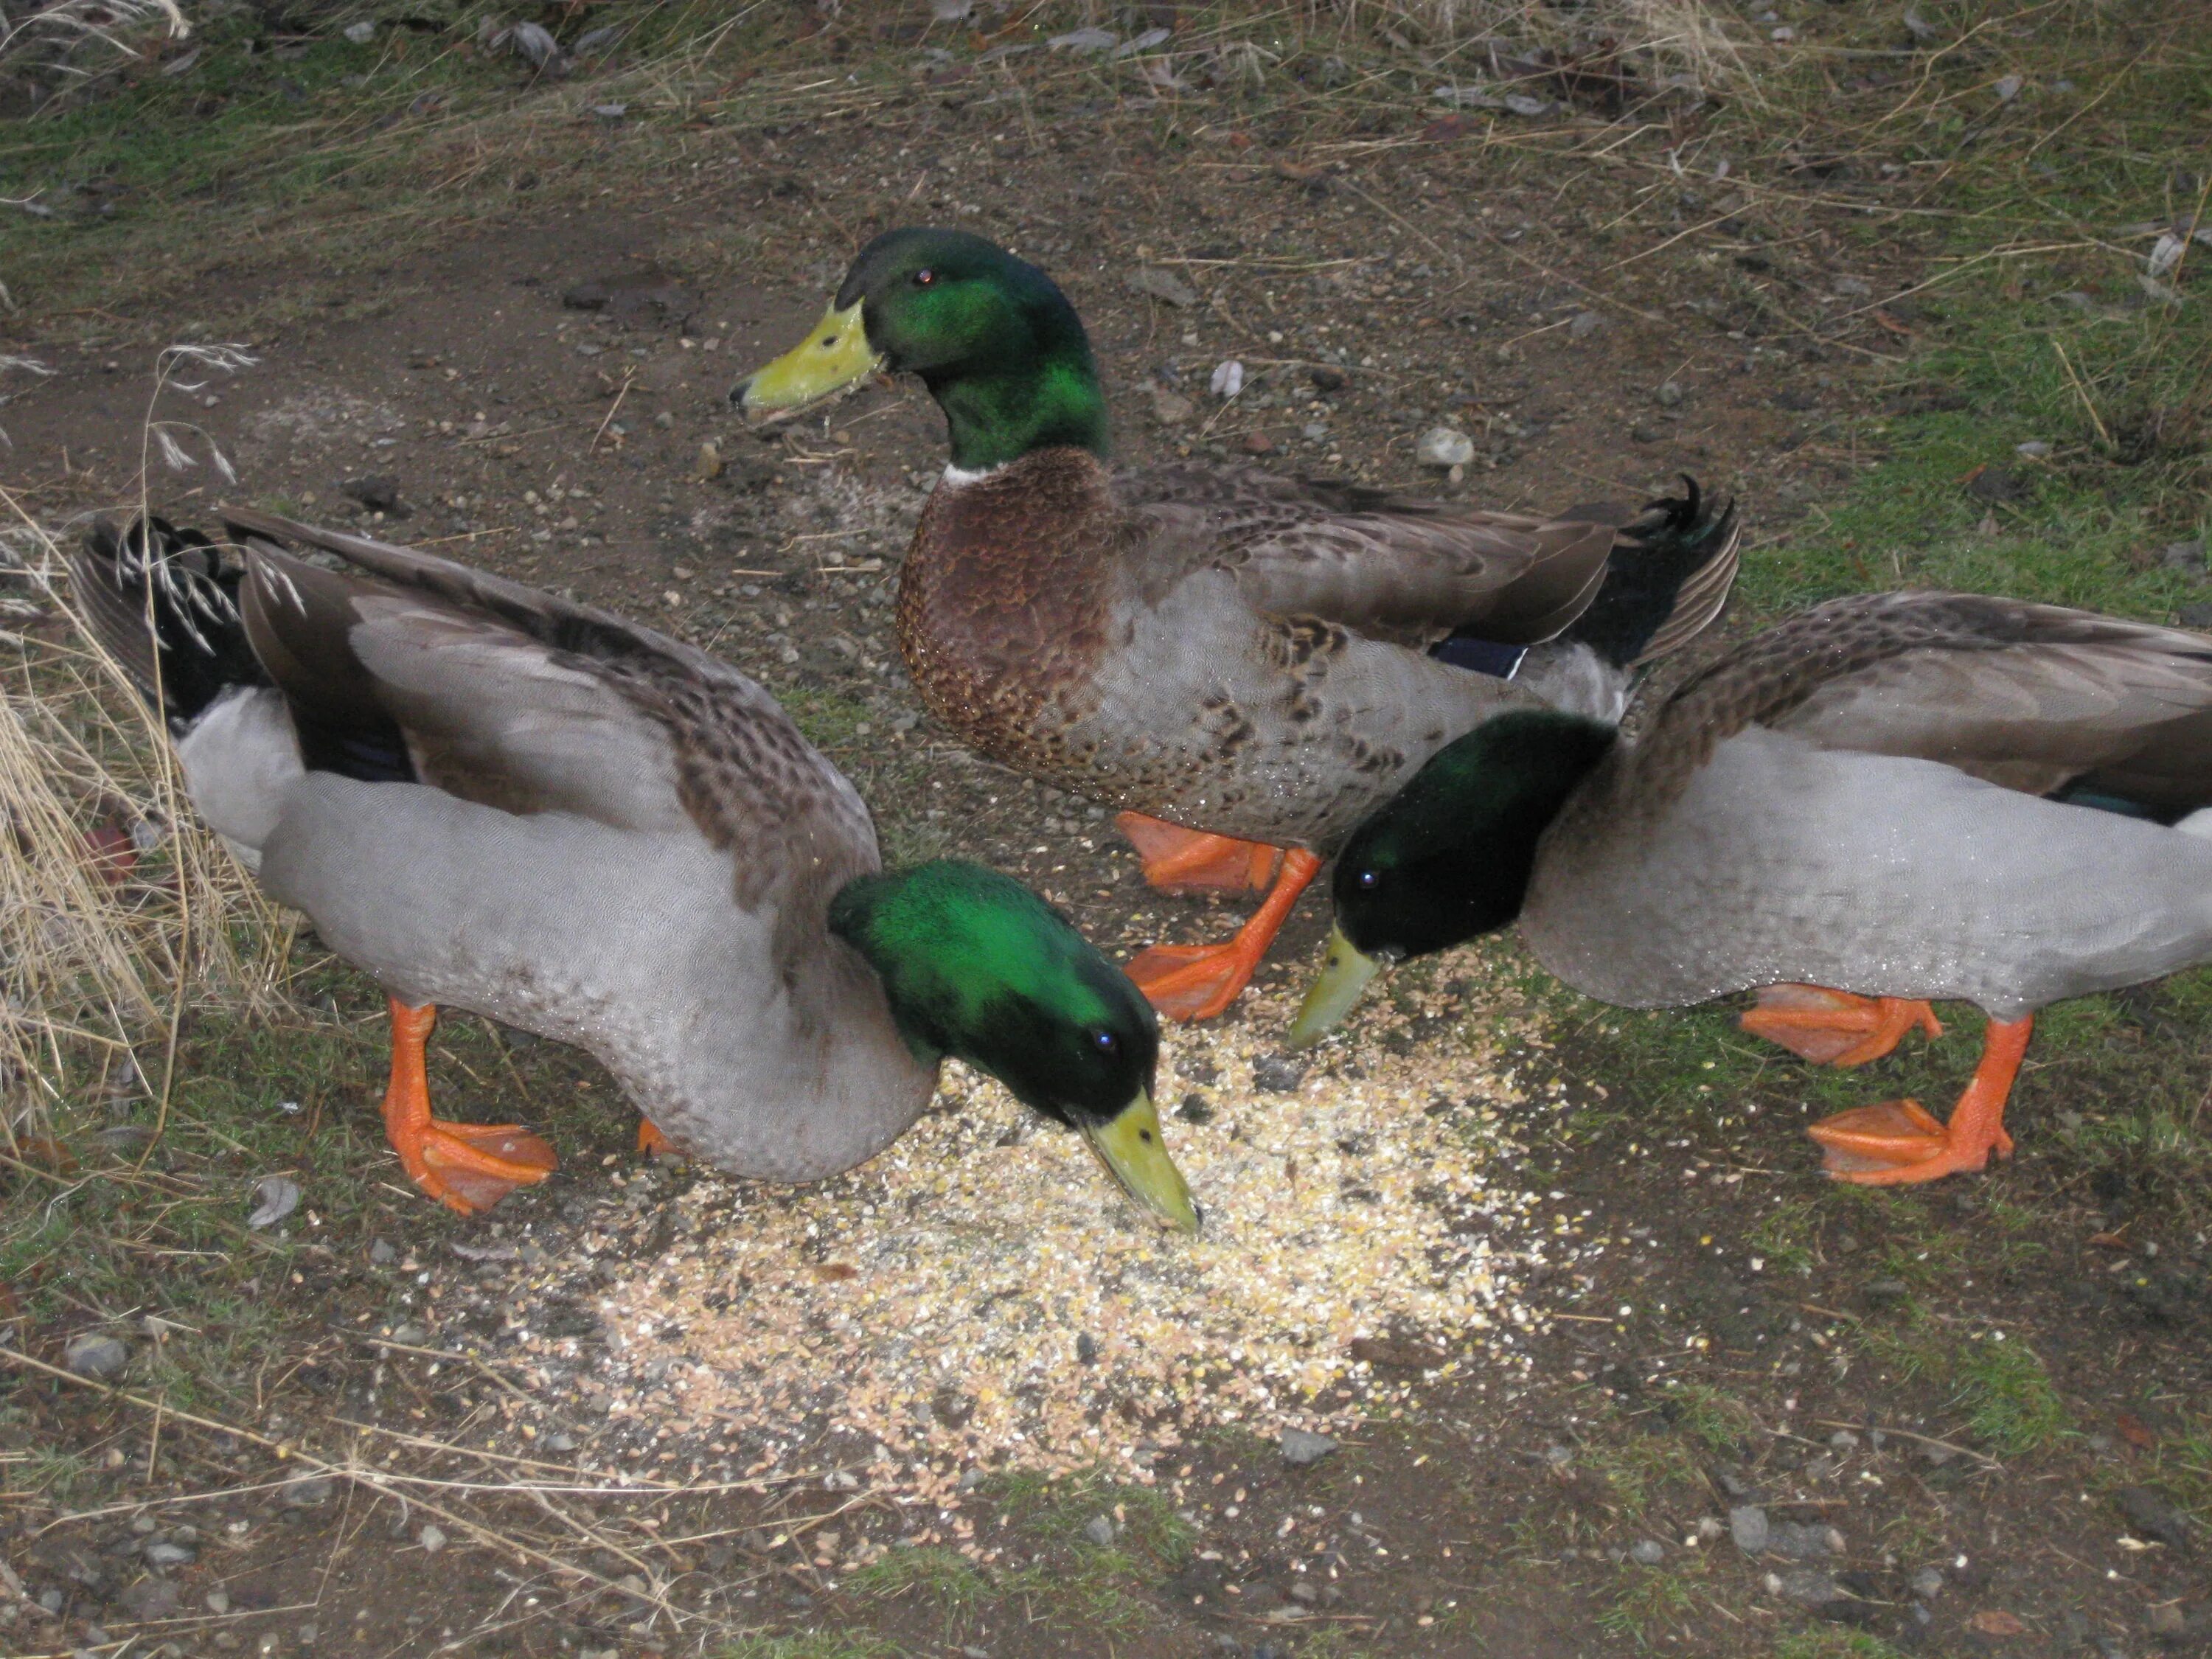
[
  {"x": 652, "y": 1142},
  {"x": 1197, "y": 982},
  {"x": 1897, "y": 1143},
  {"x": 467, "y": 1167},
  {"x": 1180, "y": 861},
  {"x": 1835, "y": 1028}
]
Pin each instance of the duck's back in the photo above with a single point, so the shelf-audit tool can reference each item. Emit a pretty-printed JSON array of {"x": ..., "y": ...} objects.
[{"x": 1882, "y": 796}]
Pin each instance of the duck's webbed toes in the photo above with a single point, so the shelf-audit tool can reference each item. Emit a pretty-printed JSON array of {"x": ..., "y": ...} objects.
[{"x": 1835, "y": 1028}]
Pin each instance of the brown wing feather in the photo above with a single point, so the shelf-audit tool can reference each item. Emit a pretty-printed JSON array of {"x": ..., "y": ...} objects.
[
  {"x": 1698, "y": 603},
  {"x": 1386, "y": 566},
  {"x": 2028, "y": 696},
  {"x": 518, "y": 699}
]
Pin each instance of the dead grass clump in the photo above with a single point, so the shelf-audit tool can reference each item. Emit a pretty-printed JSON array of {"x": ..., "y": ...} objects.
[
  {"x": 62, "y": 41},
  {"x": 117, "y": 912}
]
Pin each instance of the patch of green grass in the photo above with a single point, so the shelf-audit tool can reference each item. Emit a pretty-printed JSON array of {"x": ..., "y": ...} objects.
[
  {"x": 1334, "y": 1644},
  {"x": 265, "y": 144},
  {"x": 1833, "y": 1645},
  {"x": 1056, "y": 1511},
  {"x": 944, "y": 1578},
  {"x": 1718, "y": 1421},
  {"x": 1650, "y": 1602},
  {"x": 2008, "y": 1397},
  {"x": 1639, "y": 1468},
  {"x": 2184, "y": 1467},
  {"x": 1999, "y": 1387},
  {"x": 1085, "y": 1584},
  {"x": 808, "y": 1644},
  {"x": 1784, "y": 1236},
  {"x": 294, "y": 1094}
]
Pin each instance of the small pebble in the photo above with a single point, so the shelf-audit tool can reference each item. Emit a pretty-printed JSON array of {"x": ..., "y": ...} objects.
[
  {"x": 306, "y": 1491},
  {"x": 1807, "y": 1586},
  {"x": 1647, "y": 1552},
  {"x": 1301, "y": 1448},
  {"x": 1928, "y": 1583},
  {"x": 1099, "y": 1530},
  {"x": 1843, "y": 1440},
  {"x": 1670, "y": 394},
  {"x": 1748, "y": 1526},
  {"x": 96, "y": 1357},
  {"x": 1444, "y": 446},
  {"x": 432, "y": 1538}
]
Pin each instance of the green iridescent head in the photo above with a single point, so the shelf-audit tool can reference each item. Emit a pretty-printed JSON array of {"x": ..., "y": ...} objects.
[
  {"x": 992, "y": 336},
  {"x": 975, "y": 965}
]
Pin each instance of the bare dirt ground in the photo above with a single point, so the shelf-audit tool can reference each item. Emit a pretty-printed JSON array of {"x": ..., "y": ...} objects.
[{"x": 1752, "y": 1413}]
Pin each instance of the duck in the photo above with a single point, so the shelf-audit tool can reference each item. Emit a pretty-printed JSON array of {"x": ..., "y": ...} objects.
[
  {"x": 488, "y": 797},
  {"x": 1884, "y": 801},
  {"x": 1245, "y": 664}
]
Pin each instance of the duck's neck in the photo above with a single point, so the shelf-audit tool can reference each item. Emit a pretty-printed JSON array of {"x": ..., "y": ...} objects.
[{"x": 1048, "y": 399}]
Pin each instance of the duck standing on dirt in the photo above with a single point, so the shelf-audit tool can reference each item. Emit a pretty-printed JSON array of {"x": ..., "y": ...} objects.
[
  {"x": 1907, "y": 795},
  {"x": 1242, "y": 661},
  {"x": 485, "y": 795}
]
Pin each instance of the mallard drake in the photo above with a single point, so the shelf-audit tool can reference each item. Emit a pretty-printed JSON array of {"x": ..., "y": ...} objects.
[
  {"x": 1241, "y": 661},
  {"x": 487, "y": 796},
  {"x": 1908, "y": 796}
]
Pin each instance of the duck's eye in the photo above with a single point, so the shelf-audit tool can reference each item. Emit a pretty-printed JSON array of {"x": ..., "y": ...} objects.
[
  {"x": 1106, "y": 1042},
  {"x": 1368, "y": 879},
  {"x": 924, "y": 277}
]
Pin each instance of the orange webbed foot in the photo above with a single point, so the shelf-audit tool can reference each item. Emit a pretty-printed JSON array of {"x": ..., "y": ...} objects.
[
  {"x": 1900, "y": 1143},
  {"x": 1193, "y": 981},
  {"x": 1180, "y": 861},
  {"x": 467, "y": 1167},
  {"x": 1198, "y": 981},
  {"x": 1835, "y": 1028},
  {"x": 653, "y": 1142}
]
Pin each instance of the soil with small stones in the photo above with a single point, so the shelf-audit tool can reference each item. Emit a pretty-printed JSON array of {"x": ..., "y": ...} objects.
[{"x": 1682, "y": 1379}]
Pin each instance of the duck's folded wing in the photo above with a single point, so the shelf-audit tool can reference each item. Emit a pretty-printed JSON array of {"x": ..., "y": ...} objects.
[
  {"x": 1385, "y": 566},
  {"x": 531, "y": 705},
  {"x": 2029, "y": 696}
]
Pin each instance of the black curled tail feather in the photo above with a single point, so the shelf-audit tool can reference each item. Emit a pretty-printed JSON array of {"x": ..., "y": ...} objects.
[
  {"x": 1668, "y": 578},
  {"x": 164, "y": 604}
]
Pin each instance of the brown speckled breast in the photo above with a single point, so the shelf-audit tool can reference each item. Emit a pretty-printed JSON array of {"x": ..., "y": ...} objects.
[{"x": 1003, "y": 605}]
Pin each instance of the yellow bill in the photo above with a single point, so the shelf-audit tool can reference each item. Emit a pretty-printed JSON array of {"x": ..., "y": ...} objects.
[
  {"x": 837, "y": 354},
  {"x": 1130, "y": 1148},
  {"x": 1344, "y": 974}
]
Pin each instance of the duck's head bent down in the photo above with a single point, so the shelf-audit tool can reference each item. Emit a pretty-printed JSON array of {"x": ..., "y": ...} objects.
[
  {"x": 1450, "y": 858},
  {"x": 975, "y": 965}
]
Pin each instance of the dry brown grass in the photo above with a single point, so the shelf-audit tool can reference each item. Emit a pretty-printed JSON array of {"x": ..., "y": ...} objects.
[{"x": 117, "y": 913}]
